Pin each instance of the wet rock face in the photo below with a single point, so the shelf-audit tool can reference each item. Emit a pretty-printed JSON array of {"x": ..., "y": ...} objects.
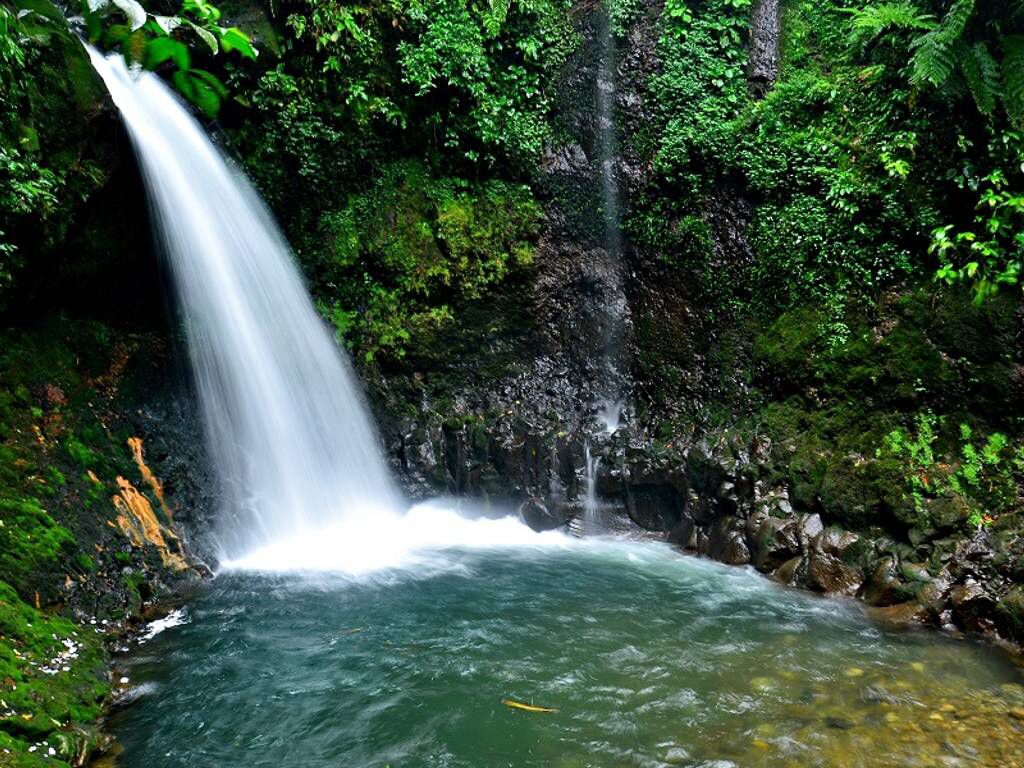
[{"x": 506, "y": 419}]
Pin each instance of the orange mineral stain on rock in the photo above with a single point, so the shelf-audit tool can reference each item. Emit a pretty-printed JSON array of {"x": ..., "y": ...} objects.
[
  {"x": 135, "y": 444},
  {"x": 137, "y": 519}
]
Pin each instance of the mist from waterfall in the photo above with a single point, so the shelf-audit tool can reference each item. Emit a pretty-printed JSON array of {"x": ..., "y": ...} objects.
[{"x": 293, "y": 445}]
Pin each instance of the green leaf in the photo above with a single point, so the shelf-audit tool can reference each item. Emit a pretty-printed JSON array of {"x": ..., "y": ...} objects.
[
  {"x": 161, "y": 49},
  {"x": 206, "y": 36},
  {"x": 167, "y": 24},
  {"x": 134, "y": 12},
  {"x": 43, "y": 8},
  {"x": 1013, "y": 77},
  {"x": 212, "y": 81},
  {"x": 204, "y": 96},
  {"x": 234, "y": 39},
  {"x": 935, "y": 52},
  {"x": 981, "y": 72}
]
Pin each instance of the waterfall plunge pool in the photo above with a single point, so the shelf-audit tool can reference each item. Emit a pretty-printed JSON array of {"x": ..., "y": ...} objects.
[{"x": 650, "y": 658}]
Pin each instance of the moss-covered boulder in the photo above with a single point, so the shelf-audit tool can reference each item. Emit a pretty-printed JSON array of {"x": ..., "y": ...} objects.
[{"x": 1010, "y": 613}]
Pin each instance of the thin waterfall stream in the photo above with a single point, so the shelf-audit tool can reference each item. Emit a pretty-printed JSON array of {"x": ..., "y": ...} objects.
[
  {"x": 591, "y": 505},
  {"x": 610, "y": 395},
  {"x": 607, "y": 139}
]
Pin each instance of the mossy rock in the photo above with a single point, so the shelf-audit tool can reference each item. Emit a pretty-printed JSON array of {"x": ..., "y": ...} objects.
[
  {"x": 56, "y": 679},
  {"x": 806, "y": 470},
  {"x": 858, "y": 492},
  {"x": 32, "y": 544},
  {"x": 788, "y": 350},
  {"x": 948, "y": 512},
  {"x": 1010, "y": 613}
]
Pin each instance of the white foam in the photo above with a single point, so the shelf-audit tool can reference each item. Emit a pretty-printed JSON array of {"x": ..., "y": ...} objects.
[
  {"x": 175, "y": 618},
  {"x": 365, "y": 544}
]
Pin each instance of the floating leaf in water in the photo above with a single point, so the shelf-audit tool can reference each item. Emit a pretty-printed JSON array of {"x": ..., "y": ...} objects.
[{"x": 526, "y": 707}]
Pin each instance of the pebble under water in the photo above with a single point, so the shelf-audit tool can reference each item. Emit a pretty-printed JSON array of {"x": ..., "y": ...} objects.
[{"x": 650, "y": 659}]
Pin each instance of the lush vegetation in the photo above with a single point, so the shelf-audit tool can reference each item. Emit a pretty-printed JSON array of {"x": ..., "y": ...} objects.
[
  {"x": 49, "y": 164},
  {"x": 396, "y": 254},
  {"x": 860, "y": 181},
  {"x": 873, "y": 214},
  {"x": 870, "y": 331},
  {"x": 393, "y": 139},
  {"x": 62, "y": 450}
]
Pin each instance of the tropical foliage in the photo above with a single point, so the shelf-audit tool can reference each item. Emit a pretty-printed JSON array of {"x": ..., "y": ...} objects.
[{"x": 46, "y": 84}]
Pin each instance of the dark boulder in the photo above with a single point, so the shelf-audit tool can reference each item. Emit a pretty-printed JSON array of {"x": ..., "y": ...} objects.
[
  {"x": 772, "y": 542},
  {"x": 1010, "y": 614},
  {"x": 883, "y": 588},
  {"x": 827, "y": 573},
  {"x": 535, "y": 513},
  {"x": 727, "y": 541}
]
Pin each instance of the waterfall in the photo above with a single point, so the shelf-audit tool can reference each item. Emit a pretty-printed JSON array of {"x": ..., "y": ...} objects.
[
  {"x": 292, "y": 442},
  {"x": 591, "y": 510},
  {"x": 607, "y": 143},
  {"x": 610, "y": 402}
]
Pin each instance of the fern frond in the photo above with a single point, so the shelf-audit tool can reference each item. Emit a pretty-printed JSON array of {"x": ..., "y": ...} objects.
[
  {"x": 934, "y": 52},
  {"x": 1013, "y": 77},
  {"x": 955, "y": 21},
  {"x": 867, "y": 24},
  {"x": 981, "y": 72},
  {"x": 933, "y": 59}
]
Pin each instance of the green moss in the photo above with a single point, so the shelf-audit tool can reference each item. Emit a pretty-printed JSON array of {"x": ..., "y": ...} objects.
[
  {"x": 54, "y": 681},
  {"x": 134, "y": 583},
  {"x": 790, "y": 348},
  {"x": 859, "y": 492},
  {"x": 31, "y": 543},
  {"x": 79, "y": 452},
  {"x": 399, "y": 256}
]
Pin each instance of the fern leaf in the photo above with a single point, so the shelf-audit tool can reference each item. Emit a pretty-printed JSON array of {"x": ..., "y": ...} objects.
[
  {"x": 869, "y": 23},
  {"x": 933, "y": 59},
  {"x": 981, "y": 72},
  {"x": 1013, "y": 77},
  {"x": 935, "y": 51},
  {"x": 955, "y": 21}
]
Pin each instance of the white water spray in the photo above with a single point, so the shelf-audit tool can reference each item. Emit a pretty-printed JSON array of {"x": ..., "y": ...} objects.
[{"x": 289, "y": 434}]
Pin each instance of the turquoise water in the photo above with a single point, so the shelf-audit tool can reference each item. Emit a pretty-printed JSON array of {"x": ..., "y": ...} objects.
[{"x": 650, "y": 658}]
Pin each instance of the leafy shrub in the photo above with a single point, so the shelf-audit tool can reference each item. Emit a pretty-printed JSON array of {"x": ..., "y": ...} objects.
[{"x": 983, "y": 474}]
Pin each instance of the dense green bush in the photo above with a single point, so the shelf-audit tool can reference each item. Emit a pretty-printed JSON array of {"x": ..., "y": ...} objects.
[
  {"x": 860, "y": 177},
  {"x": 455, "y": 85}
]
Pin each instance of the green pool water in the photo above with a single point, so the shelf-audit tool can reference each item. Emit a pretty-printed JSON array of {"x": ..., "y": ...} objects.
[{"x": 650, "y": 658}]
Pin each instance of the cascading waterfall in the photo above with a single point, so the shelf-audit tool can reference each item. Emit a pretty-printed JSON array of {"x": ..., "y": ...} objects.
[
  {"x": 606, "y": 137},
  {"x": 591, "y": 508},
  {"x": 290, "y": 436},
  {"x": 610, "y": 403}
]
